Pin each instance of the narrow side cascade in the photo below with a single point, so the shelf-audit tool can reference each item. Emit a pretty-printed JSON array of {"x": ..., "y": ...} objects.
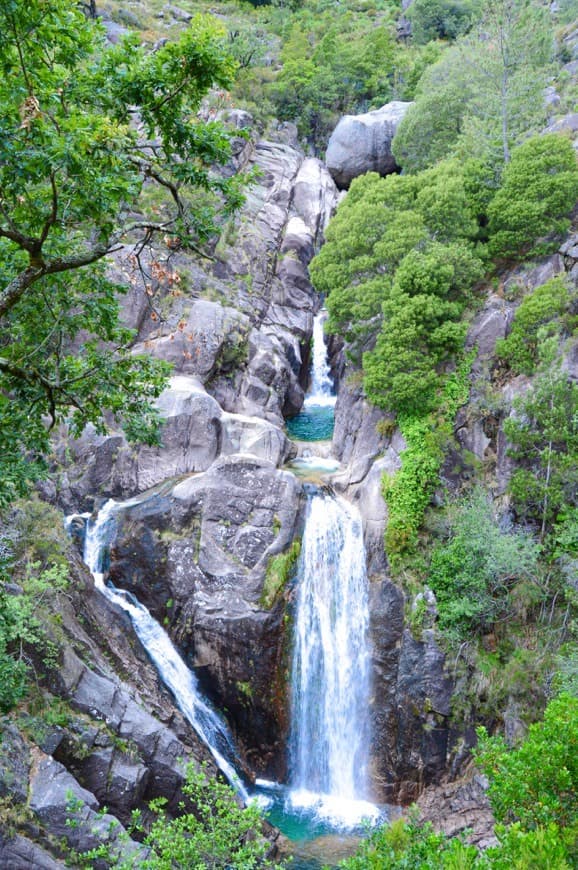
[
  {"x": 173, "y": 671},
  {"x": 331, "y": 690}
]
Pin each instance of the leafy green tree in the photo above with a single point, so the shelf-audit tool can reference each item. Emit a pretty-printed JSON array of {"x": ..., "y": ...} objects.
[
  {"x": 473, "y": 572},
  {"x": 421, "y": 326},
  {"x": 543, "y": 433},
  {"x": 218, "y": 834},
  {"x": 442, "y": 19},
  {"x": 539, "y": 189},
  {"x": 85, "y": 126},
  {"x": 540, "y": 314},
  {"x": 533, "y": 794},
  {"x": 537, "y": 783}
]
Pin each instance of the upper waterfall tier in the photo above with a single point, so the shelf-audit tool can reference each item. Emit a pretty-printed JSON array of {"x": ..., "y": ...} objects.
[
  {"x": 315, "y": 422},
  {"x": 321, "y": 390}
]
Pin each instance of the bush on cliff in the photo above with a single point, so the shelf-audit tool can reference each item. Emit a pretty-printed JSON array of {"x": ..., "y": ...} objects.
[{"x": 539, "y": 189}]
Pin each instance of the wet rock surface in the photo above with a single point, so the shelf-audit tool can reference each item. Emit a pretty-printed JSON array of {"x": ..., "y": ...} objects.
[
  {"x": 197, "y": 556},
  {"x": 412, "y": 696}
]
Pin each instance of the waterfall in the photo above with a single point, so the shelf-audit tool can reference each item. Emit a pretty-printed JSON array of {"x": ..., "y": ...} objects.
[
  {"x": 321, "y": 388},
  {"x": 329, "y": 740},
  {"x": 173, "y": 671},
  {"x": 315, "y": 421}
]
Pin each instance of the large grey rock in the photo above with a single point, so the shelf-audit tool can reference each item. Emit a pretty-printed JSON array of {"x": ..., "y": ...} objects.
[
  {"x": 70, "y": 812},
  {"x": 208, "y": 338},
  {"x": 362, "y": 143},
  {"x": 205, "y": 546},
  {"x": 195, "y": 432},
  {"x": 19, "y": 853},
  {"x": 411, "y": 704}
]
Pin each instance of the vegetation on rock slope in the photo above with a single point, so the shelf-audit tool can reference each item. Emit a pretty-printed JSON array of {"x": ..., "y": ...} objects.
[{"x": 405, "y": 267}]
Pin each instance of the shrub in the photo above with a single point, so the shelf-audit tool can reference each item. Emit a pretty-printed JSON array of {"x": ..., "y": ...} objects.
[
  {"x": 539, "y": 189},
  {"x": 471, "y": 574},
  {"x": 539, "y": 315}
]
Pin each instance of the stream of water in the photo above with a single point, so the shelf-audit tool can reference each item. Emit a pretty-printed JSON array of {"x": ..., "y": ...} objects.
[
  {"x": 173, "y": 671},
  {"x": 330, "y": 686}
]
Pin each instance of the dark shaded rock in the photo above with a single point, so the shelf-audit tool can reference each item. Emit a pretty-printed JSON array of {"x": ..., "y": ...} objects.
[
  {"x": 206, "y": 546},
  {"x": 19, "y": 853},
  {"x": 14, "y": 764},
  {"x": 412, "y": 701},
  {"x": 115, "y": 780},
  {"x": 362, "y": 143}
]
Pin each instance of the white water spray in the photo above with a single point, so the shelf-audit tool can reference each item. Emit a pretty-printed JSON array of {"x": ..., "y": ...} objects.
[
  {"x": 321, "y": 393},
  {"x": 329, "y": 742},
  {"x": 171, "y": 668}
]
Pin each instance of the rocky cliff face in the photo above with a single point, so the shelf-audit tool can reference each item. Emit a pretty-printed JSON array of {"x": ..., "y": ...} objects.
[
  {"x": 212, "y": 507},
  {"x": 207, "y": 512},
  {"x": 95, "y": 741}
]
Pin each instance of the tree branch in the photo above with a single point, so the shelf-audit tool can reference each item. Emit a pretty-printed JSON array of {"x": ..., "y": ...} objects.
[{"x": 20, "y": 284}]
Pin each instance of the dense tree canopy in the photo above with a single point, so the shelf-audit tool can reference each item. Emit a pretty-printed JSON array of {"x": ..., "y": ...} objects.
[
  {"x": 485, "y": 94},
  {"x": 84, "y": 127}
]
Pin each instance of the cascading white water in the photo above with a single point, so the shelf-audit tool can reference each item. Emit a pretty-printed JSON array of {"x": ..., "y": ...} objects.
[
  {"x": 321, "y": 392},
  {"x": 171, "y": 668},
  {"x": 329, "y": 741}
]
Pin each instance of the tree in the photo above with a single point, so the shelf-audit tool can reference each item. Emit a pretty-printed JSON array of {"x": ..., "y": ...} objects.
[
  {"x": 421, "y": 326},
  {"x": 219, "y": 833},
  {"x": 84, "y": 128},
  {"x": 543, "y": 433},
  {"x": 539, "y": 190},
  {"x": 485, "y": 94},
  {"x": 441, "y": 19},
  {"x": 509, "y": 56}
]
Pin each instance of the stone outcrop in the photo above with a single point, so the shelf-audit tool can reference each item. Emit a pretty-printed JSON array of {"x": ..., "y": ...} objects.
[
  {"x": 73, "y": 785},
  {"x": 460, "y": 808},
  {"x": 196, "y": 431},
  {"x": 362, "y": 143},
  {"x": 412, "y": 696},
  {"x": 198, "y": 554}
]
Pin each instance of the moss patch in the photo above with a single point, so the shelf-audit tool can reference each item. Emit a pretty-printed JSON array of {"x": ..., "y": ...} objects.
[{"x": 279, "y": 571}]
